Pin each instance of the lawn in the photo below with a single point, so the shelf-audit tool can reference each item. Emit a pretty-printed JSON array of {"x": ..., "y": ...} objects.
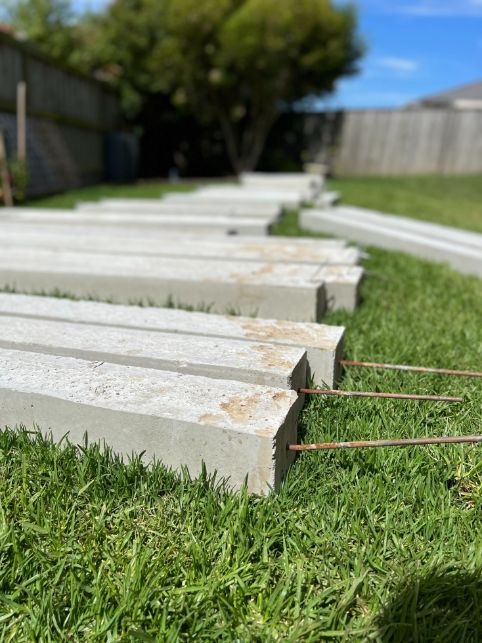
[
  {"x": 450, "y": 200},
  {"x": 382, "y": 545},
  {"x": 144, "y": 190}
]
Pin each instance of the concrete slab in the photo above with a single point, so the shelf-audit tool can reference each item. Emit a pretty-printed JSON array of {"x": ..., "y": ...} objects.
[
  {"x": 218, "y": 358},
  {"x": 324, "y": 344},
  {"x": 433, "y": 230},
  {"x": 234, "y": 248},
  {"x": 209, "y": 224},
  {"x": 328, "y": 199},
  {"x": 292, "y": 291},
  {"x": 235, "y": 428},
  {"x": 308, "y": 185},
  {"x": 460, "y": 257},
  {"x": 342, "y": 282},
  {"x": 174, "y": 235},
  {"x": 238, "y": 194},
  {"x": 187, "y": 207},
  {"x": 298, "y": 179},
  {"x": 342, "y": 286}
]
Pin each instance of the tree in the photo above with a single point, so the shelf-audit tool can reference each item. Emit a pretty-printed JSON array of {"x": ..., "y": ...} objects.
[
  {"x": 47, "y": 23},
  {"x": 120, "y": 42},
  {"x": 238, "y": 62}
]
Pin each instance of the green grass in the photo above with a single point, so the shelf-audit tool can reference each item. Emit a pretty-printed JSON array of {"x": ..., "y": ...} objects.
[
  {"x": 450, "y": 200},
  {"x": 143, "y": 190},
  {"x": 382, "y": 545}
]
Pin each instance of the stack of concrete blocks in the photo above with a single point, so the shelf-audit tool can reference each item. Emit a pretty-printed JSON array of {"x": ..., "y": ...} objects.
[
  {"x": 310, "y": 186},
  {"x": 220, "y": 223},
  {"x": 462, "y": 250},
  {"x": 184, "y": 388},
  {"x": 290, "y": 279}
]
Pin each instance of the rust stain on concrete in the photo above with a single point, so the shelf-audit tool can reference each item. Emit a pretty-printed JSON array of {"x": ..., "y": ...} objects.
[
  {"x": 239, "y": 408},
  {"x": 210, "y": 418},
  {"x": 278, "y": 331},
  {"x": 298, "y": 253},
  {"x": 270, "y": 356}
]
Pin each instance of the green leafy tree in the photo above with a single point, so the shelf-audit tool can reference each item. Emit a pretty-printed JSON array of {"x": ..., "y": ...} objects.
[
  {"x": 238, "y": 62},
  {"x": 50, "y": 24},
  {"x": 120, "y": 43}
]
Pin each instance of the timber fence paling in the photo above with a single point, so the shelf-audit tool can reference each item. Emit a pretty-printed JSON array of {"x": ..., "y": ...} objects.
[
  {"x": 64, "y": 118},
  {"x": 411, "y": 141}
]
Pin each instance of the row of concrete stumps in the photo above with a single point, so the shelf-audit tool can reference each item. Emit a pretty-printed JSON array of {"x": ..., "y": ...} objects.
[{"x": 183, "y": 386}]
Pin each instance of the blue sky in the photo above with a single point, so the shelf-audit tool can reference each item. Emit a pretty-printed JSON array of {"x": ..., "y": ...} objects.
[{"x": 415, "y": 48}]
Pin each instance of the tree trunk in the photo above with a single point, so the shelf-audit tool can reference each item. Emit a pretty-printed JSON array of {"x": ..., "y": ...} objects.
[{"x": 244, "y": 149}]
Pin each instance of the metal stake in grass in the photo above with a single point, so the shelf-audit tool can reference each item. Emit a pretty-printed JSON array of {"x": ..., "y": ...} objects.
[
  {"x": 415, "y": 369},
  {"x": 374, "y": 444},
  {"x": 391, "y": 396}
]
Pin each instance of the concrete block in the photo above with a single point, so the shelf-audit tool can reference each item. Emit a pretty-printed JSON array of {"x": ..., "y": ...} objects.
[
  {"x": 208, "y": 224},
  {"x": 318, "y": 169},
  {"x": 309, "y": 185},
  {"x": 280, "y": 291},
  {"x": 328, "y": 199},
  {"x": 324, "y": 344},
  {"x": 218, "y": 358},
  {"x": 238, "y": 195},
  {"x": 432, "y": 230},
  {"x": 235, "y": 428},
  {"x": 301, "y": 179},
  {"x": 95, "y": 239},
  {"x": 342, "y": 286},
  {"x": 461, "y": 257},
  {"x": 186, "y": 207}
]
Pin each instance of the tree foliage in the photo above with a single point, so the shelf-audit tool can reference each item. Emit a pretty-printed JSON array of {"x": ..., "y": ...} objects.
[
  {"x": 121, "y": 49},
  {"x": 237, "y": 63},
  {"x": 47, "y": 23}
]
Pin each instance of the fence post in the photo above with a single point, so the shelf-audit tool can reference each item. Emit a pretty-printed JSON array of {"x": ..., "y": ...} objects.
[
  {"x": 5, "y": 180},
  {"x": 22, "y": 121}
]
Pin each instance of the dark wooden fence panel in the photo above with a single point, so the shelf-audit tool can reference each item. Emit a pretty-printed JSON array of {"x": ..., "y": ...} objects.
[{"x": 69, "y": 118}]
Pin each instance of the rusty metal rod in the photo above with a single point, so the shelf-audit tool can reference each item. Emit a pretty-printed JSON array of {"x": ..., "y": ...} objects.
[
  {"x": 392, "y": 396},
  {"x": 416, "y": 369},
  {"x": 373, "y": 444}
]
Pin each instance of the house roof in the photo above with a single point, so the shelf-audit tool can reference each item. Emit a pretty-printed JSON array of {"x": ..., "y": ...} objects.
[{"x": 470, "y": 92}]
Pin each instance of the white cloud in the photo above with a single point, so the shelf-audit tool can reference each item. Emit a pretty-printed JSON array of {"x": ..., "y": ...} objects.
[{"x": 403, "y": 66}]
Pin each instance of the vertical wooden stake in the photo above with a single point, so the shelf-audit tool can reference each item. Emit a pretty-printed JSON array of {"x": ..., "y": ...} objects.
[
  {"x": 4, "y": 178},
  {"x": 22, "y": 121}
]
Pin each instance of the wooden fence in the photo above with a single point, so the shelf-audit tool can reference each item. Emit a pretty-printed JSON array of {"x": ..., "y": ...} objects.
[
  {"x": 70, "y": 118},
  {"x": 408, "y": 142}
]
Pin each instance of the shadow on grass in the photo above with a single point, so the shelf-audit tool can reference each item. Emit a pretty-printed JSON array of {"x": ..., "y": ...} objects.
[{"x": 440, "y": 607}]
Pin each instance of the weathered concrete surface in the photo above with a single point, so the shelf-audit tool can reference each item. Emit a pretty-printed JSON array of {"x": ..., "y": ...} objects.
[
  {"x": 292, "y": 291},
  {"x": 432, "y": 230},
  {"x": 324, "y": 344},
  {"x": 308, "y": 185},
  {"x": 251, "y": 362},
  {"x": 341, "y": 282},
  {"x": 209, "y": 224},
  {"x": 464, "y": 258},
  {"x": 187, "y": 207},
  {"x": 142, "y": 243},
  {"x": 239, "y": 194},
  {"x": 342, "y": 286},
  {"x": 304, "y": 245},
  {"x": 235, "y": 428},
  {"x": 298, "y": 179},
  {"x": 328, "y": 199}
]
